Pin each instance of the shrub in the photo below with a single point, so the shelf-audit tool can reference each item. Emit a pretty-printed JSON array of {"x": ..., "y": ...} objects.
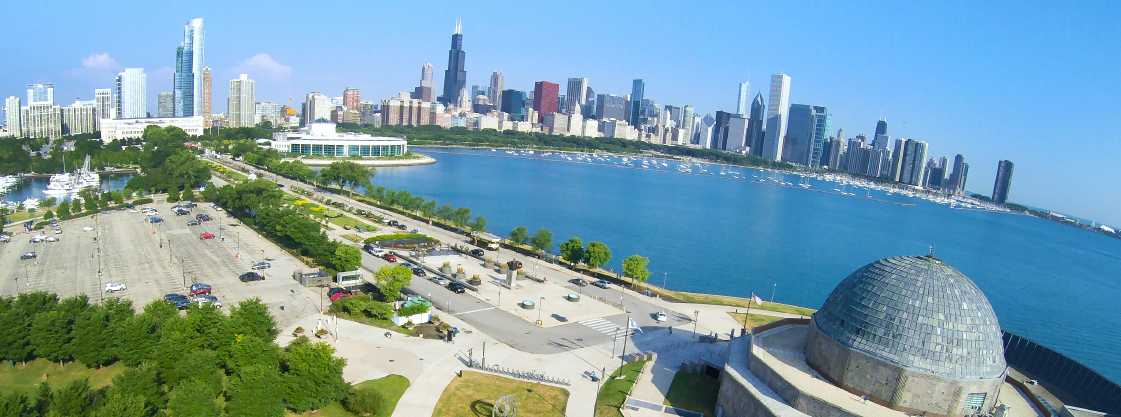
[
  {"x": 363, "y": 401},
  {"x": 412, "y": 310},
  {"x": 447, "y": 264},
  {"x": 141, "y": 201},
  {"x": 520, "y": 272}
]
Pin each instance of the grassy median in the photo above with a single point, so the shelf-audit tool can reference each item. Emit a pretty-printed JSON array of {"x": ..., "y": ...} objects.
[
  {"x": 473, "y": 395},
  {"x": 615, "y": 389},
  {"x": 754, "y": 319}
]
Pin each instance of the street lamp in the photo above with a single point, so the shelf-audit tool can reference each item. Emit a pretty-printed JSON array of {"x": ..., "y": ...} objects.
[
  {"x": 237, "y": 254},
  {"x": 772, "y": 293},
  {"x": 696, "y": 316},
  {"x": 540, "y": 306}
]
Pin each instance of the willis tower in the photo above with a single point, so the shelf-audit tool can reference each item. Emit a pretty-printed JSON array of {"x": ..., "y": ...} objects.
[{"x": 455, "y": 77}]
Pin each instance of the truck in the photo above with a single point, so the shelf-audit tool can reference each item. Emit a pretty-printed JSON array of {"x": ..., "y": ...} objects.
[{"x": 487, "y": 240}]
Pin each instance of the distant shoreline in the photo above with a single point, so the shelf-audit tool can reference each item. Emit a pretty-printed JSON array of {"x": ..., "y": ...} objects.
[{"x": 420, "y": 160}]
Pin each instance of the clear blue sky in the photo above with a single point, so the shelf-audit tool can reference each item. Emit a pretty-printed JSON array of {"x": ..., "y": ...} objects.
[{"x": 1037, "y": 83}]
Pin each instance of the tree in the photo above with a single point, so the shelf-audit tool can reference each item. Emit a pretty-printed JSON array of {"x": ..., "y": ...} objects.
[
  {"x": 480, "y": 224},
  {"x": 596, "y": 254},
  {"x": 173, "y": 195},
  {"x": 461, "y": 217},
  {"x": 445, "y": 212},
  {"x": 90, "y": 202},
  {"x": 572, "y": 250},
  {"x": 73, "y": 399},
  {"x": 634, "y": 266},
  {"x": 253, "y": 392},
  {"x": 48, "y": 202},
  {"x": 124, "y": 406},
  {"x": 188, "y": 194},
  {"x": 364, "y": 401},
  {"x": 314, "y": 378},
  {"x": 15, "y": 404},
  {"x": 428, "y": 209},
  {"x": 249, "y": 350},
  {"x": 50, "y": 334},
  {"x": 48, "y": 215},
  {"x": 199, "y": 366},
  {"x": 140, "y": 382},
  {"x": 542, "y": 241},
  {"x": 251, "y": 318},
  {"x": 347, "y": 174},
  {"x": 193, "y": 399},
  {"x": 64, "y": 210},
  {"x": 519, "y": 235},
  {"x": 393, "y": 279},
  {"x": 345, "y": 258}
]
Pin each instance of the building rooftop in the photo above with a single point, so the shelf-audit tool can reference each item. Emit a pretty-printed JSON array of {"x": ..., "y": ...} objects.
[{"x": 918, "y": 313}]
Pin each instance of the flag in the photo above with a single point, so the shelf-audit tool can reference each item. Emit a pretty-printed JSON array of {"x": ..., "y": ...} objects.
[
  {"x": 756, "y": 299},
  {"x": 632, "y": 325}
]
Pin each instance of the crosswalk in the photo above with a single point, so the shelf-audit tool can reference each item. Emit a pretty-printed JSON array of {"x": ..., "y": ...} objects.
[{"x": 606, "y": 327}]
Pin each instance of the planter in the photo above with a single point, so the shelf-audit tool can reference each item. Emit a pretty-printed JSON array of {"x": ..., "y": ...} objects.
[
  {"x": 573, "y": 297},
  {"x": 503, "y": 271},
  {"x": 488, "y": 265},
  {"x": 475, "y": 282},
  {"x": 446, "y": 270},
  {"x": 528, "y": 305}
]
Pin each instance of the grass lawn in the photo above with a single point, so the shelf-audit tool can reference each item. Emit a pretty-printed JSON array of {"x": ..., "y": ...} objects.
[
  {"x": 27, "y": 378},
  {"x": 392, "y": 387},
  {"x": 333, "y": 410},
  {"x": 693, "y": 392},
  {"x": 353, "y": 238},
  {"x": 740, "y": 302},
  {"x": 345, "y": 220},
  {"x": 754, "y": 319},
  {"x": 614, "y": 390},
  {"x": 229, "y": 172},
  {"x": 474, "y": 394}
]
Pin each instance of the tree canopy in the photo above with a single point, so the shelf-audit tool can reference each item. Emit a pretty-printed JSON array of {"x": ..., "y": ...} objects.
[{"x": 634, "y": 266}]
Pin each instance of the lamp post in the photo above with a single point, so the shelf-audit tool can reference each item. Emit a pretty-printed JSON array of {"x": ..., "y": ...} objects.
[
  {"x": 237, "y": 254},
  {"x": 696, "y": 316},
  {"x": 540, "y": 306},
  {"x": 772, "y": 293},
  {"x": 182, "y": 263}
]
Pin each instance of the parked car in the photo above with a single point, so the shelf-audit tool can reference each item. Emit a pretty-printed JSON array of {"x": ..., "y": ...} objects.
[
  {"x": 206, "y": 236},
  {"x": 182, "y": 212},
  {"x": 337, "y": 293},
  {"x": 251, "y": 276},
  {"x": 478, "y": 252},
  {"x": 50, "y": 239},
  {"x": 58, "y": 230},
  {"x": 28, "y": 255},
  {"x": 197, "y": 289},
  {"x": 393, "y": 223},
  {"x": 420, "y": 272},
  {"x": 390, "y": 257},
  {"x": 173, "y": 296},
  {"x": 457, "y": 288},
  {"x": 514, "y": 265},
  {"x": 603, "y": 283},
  {"x": 36, "y": 239},
  {"x": 580, "y": 282},
  {"x": 87, "y": 228},
  {"x": 208, "y": 299},
  {"x": 415, "y": 230},
  {"x": 193, "y": 223},
  {"x": 114, "y": 286},
  {"x": 155, "y": 220},
  {"x": 180, "y": 303},
  {"x": 440, "y": 280},
  {"x": 203, "y": 217},
  {"x": 262, "y": 265},
  {"x": 5, "y": 238},
  {"x": 377, "y": 251},
  {"x": 402, "y": 227}
]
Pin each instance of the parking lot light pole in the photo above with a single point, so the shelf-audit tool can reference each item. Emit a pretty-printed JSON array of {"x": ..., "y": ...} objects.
[
  {"x": 237, "y": 254},
  {"x": 696, "y": 316},
  {"x": 540, "y": 306}
]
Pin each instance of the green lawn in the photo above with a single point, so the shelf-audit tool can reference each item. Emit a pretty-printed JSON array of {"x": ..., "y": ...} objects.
[
  {"x": 754, "y": 319},
  {"x": 693, "y": 392},
  {"x": 333, "y": 410},
  {"x": 26, "y": 378},
  {"x": 353, "y": 238},
  {"x": 474, "y": 394},
  {"x": 345, "y": 220},
  {"x": 614, "y": 390},
  {"x": 725, "y": 300},
  {"x": 396, "y": 236},
  {"x": 392, "y": 387}
]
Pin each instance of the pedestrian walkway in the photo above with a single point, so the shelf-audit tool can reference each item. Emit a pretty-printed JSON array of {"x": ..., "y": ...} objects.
[{"x": 606, "y": 327}]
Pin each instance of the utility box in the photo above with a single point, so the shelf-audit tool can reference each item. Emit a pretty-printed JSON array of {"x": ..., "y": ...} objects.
[
  {"x": 348, "y": 278},
  {"x": 311, "y": 279}
]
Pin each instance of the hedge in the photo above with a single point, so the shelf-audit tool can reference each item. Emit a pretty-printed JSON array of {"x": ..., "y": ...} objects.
[{"x": 396, "y": 236}]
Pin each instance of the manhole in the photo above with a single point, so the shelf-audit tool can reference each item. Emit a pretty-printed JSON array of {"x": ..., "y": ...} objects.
[{"x": 391, "y": 360}]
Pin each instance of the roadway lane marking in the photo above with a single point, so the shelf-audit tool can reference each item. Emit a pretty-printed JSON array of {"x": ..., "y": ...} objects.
[
  {"x": 472, "y": 311},
  {"x": 606, "y": 327}
]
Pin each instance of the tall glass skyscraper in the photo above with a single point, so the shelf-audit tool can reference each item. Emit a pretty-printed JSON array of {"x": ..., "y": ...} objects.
[
  {"x": 455, "y": 77},
  {"x": 1003, "y": 182},
  {"x": 741, "y": 101},
  {"x": 636, "y": 102},
  {"x": 188, "y": 71},
  {"x": 778, "y": 108},
  {"x": 132, "y": 94}
]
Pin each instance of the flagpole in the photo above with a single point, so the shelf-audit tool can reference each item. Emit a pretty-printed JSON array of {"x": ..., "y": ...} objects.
[
  {"x": 624, "y": 345},
  {"x": 748, "y": 313}
]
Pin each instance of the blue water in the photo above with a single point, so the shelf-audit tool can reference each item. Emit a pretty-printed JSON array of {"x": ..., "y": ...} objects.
[
  {"x": 33, "y": 187},
  {"x": 1052, "y": 283}
]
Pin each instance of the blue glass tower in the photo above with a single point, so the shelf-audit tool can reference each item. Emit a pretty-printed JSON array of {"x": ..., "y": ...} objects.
[
  {"x": 187, "y": 88},
  {"x": 636, "y": 102}
]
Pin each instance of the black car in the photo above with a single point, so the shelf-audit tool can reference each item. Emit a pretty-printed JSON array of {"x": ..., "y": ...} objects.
[
  {"x": 515, "y": 265},
  {"x": 180, "y": 303},
  {"x": 251, "y": 276},
  {"x": 457, "y": 288},
  {"x": 579, "y": 282},
  {"x": 28, "y": 255},
  {"x": 420, "y": 272},
  {"x": 477, "y": 252},
  {"x": 392, "y": 222},
  {"x": 173, "y": 296},
  {"x": 402, "y": 227}
]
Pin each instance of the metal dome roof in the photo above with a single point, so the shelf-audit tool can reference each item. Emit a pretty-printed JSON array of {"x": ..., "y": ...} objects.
[{"x": 917, "y": 313}]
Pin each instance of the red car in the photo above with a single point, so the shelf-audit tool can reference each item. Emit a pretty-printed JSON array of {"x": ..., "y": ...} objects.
[
  {"x": 339, "y": 295},
  {"x": 207, "y": 236},
  {"x": 390, "y": 257}
]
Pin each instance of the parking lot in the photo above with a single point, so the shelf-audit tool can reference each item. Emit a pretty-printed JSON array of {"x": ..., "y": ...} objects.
[{"x": 153, "y": 259}]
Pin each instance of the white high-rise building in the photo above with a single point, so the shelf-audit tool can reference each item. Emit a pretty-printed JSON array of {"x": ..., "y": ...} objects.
[
  {"x": 317, "y": 106},
  {"x": 187, "y": 81},
  {"x": 426, "y": 76},
  {"x": 577, "y": 95},
  {"x": 41, "y": 120},
  {"x": 686, "y": 124},
  {"x": 132, "y": 94},
  {"x": 79, "y": 118},
  {"x": 40, "y": 93},
  {"x": 242, "y": 107},
  {"x": 269, "y": 112},
  {"x": 742, "y": 102},
  {"x": 778, "y": 108},
  {"x": 494, "y": 92},
  {"x": 106, "y": 109},
  {"x": 12, "y": 115}
]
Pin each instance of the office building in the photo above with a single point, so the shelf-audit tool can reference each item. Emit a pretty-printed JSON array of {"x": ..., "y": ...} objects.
[
  {"x": 12, "y": 115},
  {"x": 113, "y": 129},
  {"x": 242, "y": 102},
  {"x": 40, "y": 93},
  {"x": 914, "y": 156},
  {"x": 268, "y": 112},
  {"x": 41, "y": 120},
  {"x": 755, "y": 124},
  {"x": 426, "y": 90},
  {"x": 132, "y": 94},
  {"x": 79, "y": 118},
  {"x": 106, "y": 109},
  {"x": 497, "y": 85},
  {"x": 831, "y": 153},
  {"x": 719, "y": 130},
  {"x": 820, "y": 134},
  {"x": 1003, "y": 184},
  {"x": 956, "y": 183},
  {"x": 637, "y": 89},
  {"x": 881, "y": 128},
  {"x": 702, "y": 131},
  {"x": 741, "y": 100},
  {"x": 610, "y": 106},
  {"x": 513, "y": 103},
  {"x": 188, "y": 71},
  {"x": 455, "y": 77},
  {"x": 207, "y": 96},
  {"x": 686, "y": 124},
  {"x": 545, "y": 99},
  {"x": 165, "y": 104},
  {"x": 576, "y": 97},
  {"x": 778, "y": 106},
  {"x": 317, "y": 107},
  {"x": 734, "y": 136},
  {"x": 555, "y": 123},
  {"x": 897, "y": 161},
  {"x": 352, "y": 98},
  {"x": 806, "y": 135}
]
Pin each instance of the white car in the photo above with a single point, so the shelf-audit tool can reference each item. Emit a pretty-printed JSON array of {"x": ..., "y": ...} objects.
[
  {"x": 57, "y": 230},
  {"x": 114, "y": 286},
  {"x": 133, "y": 211},
  {"x": 50, "y": 239},
  {"x": 661, "y": 316},
  {"x": 5, "y": 238},
  {"x": 87, "y": 228},
  {"x": 440, "y": 280},
  {"x": 377, "y": 252}
]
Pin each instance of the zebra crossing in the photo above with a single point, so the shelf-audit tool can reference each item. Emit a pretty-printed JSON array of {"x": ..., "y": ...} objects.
[{"x": 606, "y": 327}]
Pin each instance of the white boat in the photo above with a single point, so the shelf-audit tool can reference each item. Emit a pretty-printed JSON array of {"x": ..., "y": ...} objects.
[{"x": 30, "y": 203}]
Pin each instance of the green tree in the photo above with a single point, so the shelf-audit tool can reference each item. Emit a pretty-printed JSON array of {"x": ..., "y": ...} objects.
[
  {"x": 253, "y": 392},
  {"x": 572, "y": 250},
  {"x": 251, "y": 318},
  {"x": 519, "y": 235},
  {"x": 124, "y": 406},
  {"x": 346, "y": 258},
  {"x": 118, "y": 197},
  {"x": 173, "y": 195},
  {"x": 347, "y": 174},
  {"x": 16, "y": 404},
  {"x": 461, "y": 217},
  {"x": 141, "y": 382},
  {"x": 201, "y": 367},
  {"x": 64, "y": 210},
  {"x": 542, "y": 241},
  {"x": 314, "y": 378},
  {"x": 392, "y": 279},
  {"x": 364, "y": 401},
  {"x": 188, "y": 194},
  {"x": 48, "y": 202},
  {"x": 480, "y": 224},
  {"x": 73, "y": 400},
  {"x": 192, "y": 399},
  {"x": 44, "y": 396},
  {"x": 445, "y": 212},
  {"x": 249, "y": 350},
  {"x": 596, "y": 254},
  {"x": 50, "y": 334},
  {"x": 90, "y": 202},
  {"x": 48, "y": 215},
  {"x": 634, "y": 266},
  {"x": 428, "y": 209}
]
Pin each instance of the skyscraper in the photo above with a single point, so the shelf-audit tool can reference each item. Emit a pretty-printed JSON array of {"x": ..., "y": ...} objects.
[
  {"x": 352, "y": 98},
  {"x": 610, "y": 107},
  {"x": 316, "y": 106},
  {"x": 741, "y": 101},
  {"x": 188, "y": 70},
  {"x": 132, "y": 94},
  {"x": 165, "y": 104},
  {"x": 207, "y": 96},
  {"x": 881, "y": 128},
  {"x": 497, "y": 84},
  {"x": 12, "y": 115},
  {"x": 576, "y": 97},
  {"x": 704, "y": 131},
  {"x": 455, "y": 77},
  {"x": 79, "y": 118},
  {"x": 914, "y": 156},
  {"x": 686, "y": 124},
  {"x": 778, "y": 105},
  {"x": 755, "y": 126},
  {"x": 242, "y": 104},
  {"x": 545, "y": 96},
  {"x": 820, "y": 135},
  {"x": 40, "y": 94},
  {"x": 425, "y": 92},
  {"x": 1003, "y": 183},
  {"x": 637, "y": 89},
  {"x": 897, "y": 161},
  {"x": 957, "y": 177},
  {"x": 720, "y": 130},
  {"x": 806, "y": 135},
  {"x": 513, "y": 103},
  {"x": 103, "y": 99}
]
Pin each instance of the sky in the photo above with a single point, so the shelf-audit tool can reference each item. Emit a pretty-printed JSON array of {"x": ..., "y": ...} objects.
[{"x": 1037, "y": 83}]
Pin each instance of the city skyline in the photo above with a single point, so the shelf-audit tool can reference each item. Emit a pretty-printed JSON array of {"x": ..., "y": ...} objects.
[{"x": 984, "y": 123}]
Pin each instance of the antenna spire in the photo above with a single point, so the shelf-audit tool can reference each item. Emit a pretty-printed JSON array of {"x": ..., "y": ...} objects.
[{"x": 458, "y": 26}]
